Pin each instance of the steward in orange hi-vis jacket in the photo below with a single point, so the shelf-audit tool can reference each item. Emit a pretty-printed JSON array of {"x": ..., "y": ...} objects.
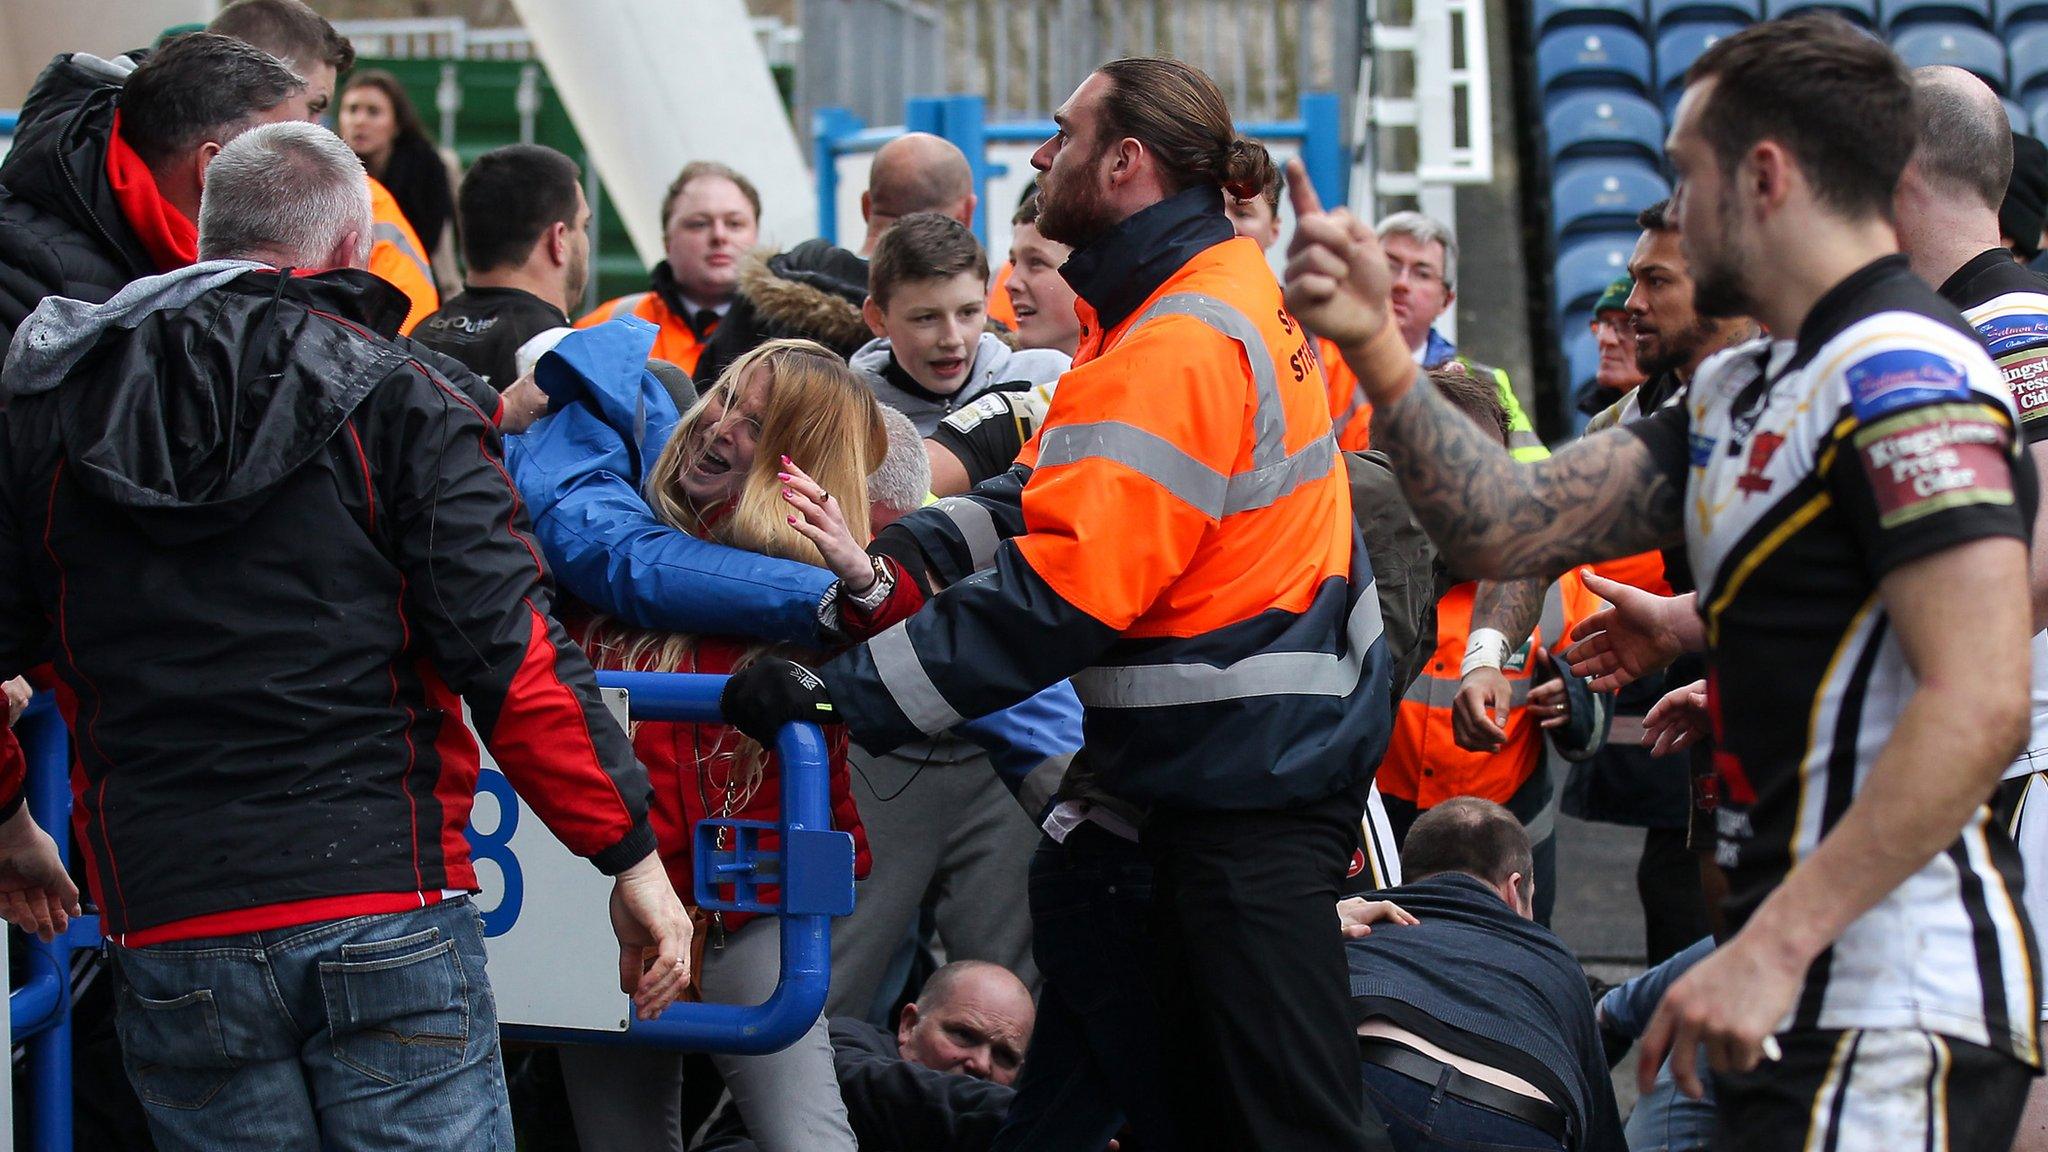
[{"x": 1177, "y": 538}]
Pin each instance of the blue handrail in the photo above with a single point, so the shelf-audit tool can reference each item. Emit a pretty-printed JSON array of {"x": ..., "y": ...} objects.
[
  {"x": 815, "y": 871},
  {"x": 836, "y": 132}
]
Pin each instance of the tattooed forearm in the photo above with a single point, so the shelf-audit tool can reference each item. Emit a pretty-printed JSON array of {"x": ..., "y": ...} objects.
[
  {"x": 1511, "y": 607},
  {"x": 1491, "y": 516}
]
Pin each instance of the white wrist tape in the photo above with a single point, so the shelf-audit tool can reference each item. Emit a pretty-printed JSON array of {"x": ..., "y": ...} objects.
[{"x": 1488, "y": 648}]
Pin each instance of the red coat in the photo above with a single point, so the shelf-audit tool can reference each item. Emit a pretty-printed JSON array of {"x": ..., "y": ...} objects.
[{"x": 689, "y": 765}]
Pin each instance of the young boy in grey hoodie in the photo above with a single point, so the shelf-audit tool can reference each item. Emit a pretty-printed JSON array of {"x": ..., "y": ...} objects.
[{"x": 928, "y": 308}]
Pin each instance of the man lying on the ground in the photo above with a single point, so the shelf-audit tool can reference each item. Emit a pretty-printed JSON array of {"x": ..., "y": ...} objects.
[
  {"x": 941, "y": 1083},
  {"x": 1478, "y": 1027}
]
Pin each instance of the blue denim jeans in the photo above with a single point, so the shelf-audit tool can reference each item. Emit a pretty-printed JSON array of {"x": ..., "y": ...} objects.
[
  {"x": 376, "y": 1032},
  {"x": 1418, "y": 1117},
  {"x": 1094, "y": 1056}
]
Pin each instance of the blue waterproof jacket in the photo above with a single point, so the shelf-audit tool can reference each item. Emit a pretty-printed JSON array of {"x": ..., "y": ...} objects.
[{"x": 580, "y": 470}]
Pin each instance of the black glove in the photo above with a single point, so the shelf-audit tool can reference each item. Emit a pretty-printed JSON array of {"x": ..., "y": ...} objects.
[{"x": 760, "y": 699}]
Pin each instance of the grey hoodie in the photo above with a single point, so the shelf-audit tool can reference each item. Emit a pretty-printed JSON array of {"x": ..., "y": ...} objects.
[{"x": 996, "y": 364}]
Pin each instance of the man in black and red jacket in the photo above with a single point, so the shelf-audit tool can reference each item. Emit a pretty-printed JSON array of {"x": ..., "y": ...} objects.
[{"x": 272, "y": 555}]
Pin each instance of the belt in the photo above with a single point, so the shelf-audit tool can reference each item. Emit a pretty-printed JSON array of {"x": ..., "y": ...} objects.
[{"x": 1400, "y": 1058}]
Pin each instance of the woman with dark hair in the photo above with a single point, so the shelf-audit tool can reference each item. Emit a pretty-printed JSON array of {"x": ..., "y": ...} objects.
[{"x": 381, "y": 125}]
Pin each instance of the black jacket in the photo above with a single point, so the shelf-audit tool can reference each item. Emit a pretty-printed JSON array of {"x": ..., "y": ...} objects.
[
  {"x": 483, "y": 328},
  {"x": 892, "y": 1104},
  {"x": 1486, "y": 984},
  {"x": 61, "y": 232},
  {"x": 271, "y": 554},
  {"x": 811, "y": 292}
]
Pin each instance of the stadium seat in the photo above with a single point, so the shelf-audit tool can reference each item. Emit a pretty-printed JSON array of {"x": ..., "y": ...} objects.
[
  {"x": 2039, "y": 119},
  {"x": 1581, "y": 357},
  {"x": 2011, "y": 15},
  {"x": 2028, "y": 51},
  {"x": 1958, "y": 44},
  {"x": 1596, "y": 123},
  {"x": 1596, "y": 195},
  {"x": 1666, "y": 14},
  {"x": 2017, "y": 116},
  {"x": 1587, "y": 267},
  {"x": 1551, "y": 14},
  {"x": 1590, "y": 58},
  {"x": 1862, "y": 12},
  {"x": 1899, "y": 14},
  {"x": 1678, "y": 48}
]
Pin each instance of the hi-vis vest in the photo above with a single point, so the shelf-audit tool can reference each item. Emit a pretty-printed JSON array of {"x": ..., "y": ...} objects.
[
  {"x": 675, "y": 342},
  {"x": 1183, "y": 514},
  {"x": 1351, "y": 412},
  {"x": 397, "y": 256},
  {"x": 1424, "y": 764}
]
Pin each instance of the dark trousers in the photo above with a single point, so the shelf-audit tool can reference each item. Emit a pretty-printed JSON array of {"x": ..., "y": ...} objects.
[
  {"x": 1094, "y": 1058},
  {"x": 1420, "y": 1117},
  {"x": 1674, "y": 905},
  {"x": 1256, "y": 1012}
]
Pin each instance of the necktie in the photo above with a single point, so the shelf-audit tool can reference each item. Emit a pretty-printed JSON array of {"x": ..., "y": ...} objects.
[{"x": 703, "y": 321}]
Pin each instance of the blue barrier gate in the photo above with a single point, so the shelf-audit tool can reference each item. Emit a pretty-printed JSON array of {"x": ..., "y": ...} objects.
[
  {"x": 837, "y": 132},
  {"x": 814, "y": 868}
]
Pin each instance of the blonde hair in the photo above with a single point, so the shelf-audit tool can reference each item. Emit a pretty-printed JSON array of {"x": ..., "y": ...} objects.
[{"x": 817, "y": 412}]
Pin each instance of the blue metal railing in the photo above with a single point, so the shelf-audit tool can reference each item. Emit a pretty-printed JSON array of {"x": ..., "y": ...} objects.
[
  {"x": 814, "y": 868},
  {"x": 836, "y": 132}
]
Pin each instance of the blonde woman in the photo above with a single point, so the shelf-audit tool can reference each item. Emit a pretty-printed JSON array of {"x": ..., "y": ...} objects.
[{"x": 773, "y": 459}]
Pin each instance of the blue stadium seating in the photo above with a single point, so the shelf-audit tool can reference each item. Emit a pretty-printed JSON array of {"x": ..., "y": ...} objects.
[
  {"x": 2011, "y": 15},
  {"x": 1581, "y": 358},
  {"x": 2016, "y": 115},
  {"x": 1672, "y": 13},
  {"x": 1594, "y": 195},
  {"x": 1551, "y": 14},
  {"x": 1597, "y": 123},
  {"x": 1899, "y": 14},
  {"x": 1592, "y": 57},
  {"x": 1678, "y": 48},
  {"x": 2028, "y": 51},
  {"x": 1587, "y": 267},
  {"x": 1957, "y": 44},
  {"x": 1863, "y": 12}
]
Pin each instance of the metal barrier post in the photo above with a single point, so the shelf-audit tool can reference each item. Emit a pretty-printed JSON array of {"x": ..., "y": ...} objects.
[
  {"x": 40, "y": 1011},
  {"x": 965, "y": 126},
  {"x": 1322, "y": 146},
  {"x": 828, "y": 127}
]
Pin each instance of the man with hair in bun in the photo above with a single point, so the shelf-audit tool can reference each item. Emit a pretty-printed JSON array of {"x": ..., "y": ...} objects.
[{"x": 1177, "y": 538}]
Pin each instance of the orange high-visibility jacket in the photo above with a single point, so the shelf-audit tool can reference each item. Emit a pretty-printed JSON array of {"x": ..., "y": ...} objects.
[
  {"x": 1177, "y": 538},
  {"x": 1350, "y": 411},
  {"x": 1424, "y": 764},
  {"x": 999, "y": 307},
  {"x": 674, "y": 342},
  {"x": 397, "y": 255}
]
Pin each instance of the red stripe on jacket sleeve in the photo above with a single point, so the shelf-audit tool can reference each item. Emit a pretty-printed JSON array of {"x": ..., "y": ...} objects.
[{"x": 542, "y": 741}]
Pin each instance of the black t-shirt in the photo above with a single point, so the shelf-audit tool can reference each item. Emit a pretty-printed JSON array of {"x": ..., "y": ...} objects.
[
  {"x": 484, "y": 327},
  {"x": 1811, "y": 469},
  {"x": 987, "y": 433}
]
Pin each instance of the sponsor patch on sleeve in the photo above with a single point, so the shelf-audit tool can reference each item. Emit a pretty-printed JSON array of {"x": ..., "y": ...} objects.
[
  {"x": 979, "y": 409},
  {"x": 2013, "y": 331},
  {"x": 2026, "y": 376},
  {"x": 1887, "y": 381},
  {"x": 1700, "y": 447},
  {"x": 1935, "y": 458}
]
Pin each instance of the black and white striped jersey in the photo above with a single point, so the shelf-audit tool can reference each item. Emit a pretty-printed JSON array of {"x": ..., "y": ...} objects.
[
  {"x": 2007, "y": 303},
  {"x": 1811, "y": 468}
]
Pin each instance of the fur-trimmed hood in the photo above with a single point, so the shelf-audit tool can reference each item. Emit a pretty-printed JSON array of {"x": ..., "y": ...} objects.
[{"x": 813, "y": 292}]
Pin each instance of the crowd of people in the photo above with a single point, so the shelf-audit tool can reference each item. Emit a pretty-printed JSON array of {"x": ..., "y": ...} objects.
[{"x": 1205, "y": 656}]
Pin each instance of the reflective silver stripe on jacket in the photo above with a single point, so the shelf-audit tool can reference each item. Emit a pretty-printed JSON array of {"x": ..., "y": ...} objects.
[
  {"x": 1442, "y": 691},
  {"x": 625, "y": 305},
  {"x": 397, "y": 238},
  {"x": 904, "y": 677},
  {"x": 976, "y": 526},
  {"x": 1262, "y": 674},
  {"x": 1043, "y": 783},
  {"x": 1274, "y": 473}
]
